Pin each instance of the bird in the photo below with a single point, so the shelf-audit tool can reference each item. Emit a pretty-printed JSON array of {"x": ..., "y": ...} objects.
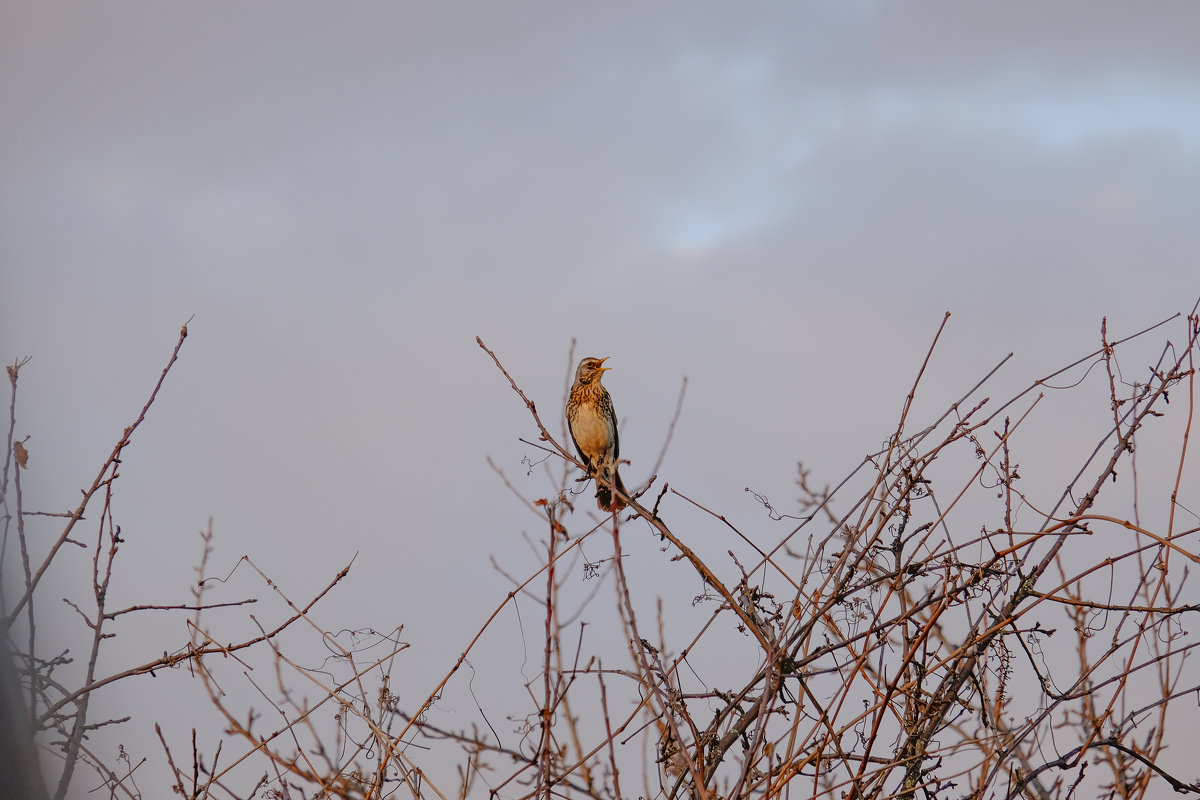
[{"x": 593, "y": 426}]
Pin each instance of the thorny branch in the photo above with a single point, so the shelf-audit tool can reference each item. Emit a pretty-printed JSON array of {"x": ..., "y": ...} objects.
[
  {"x": 933, "y": 625},
  {"x": 915, "y": 623}
]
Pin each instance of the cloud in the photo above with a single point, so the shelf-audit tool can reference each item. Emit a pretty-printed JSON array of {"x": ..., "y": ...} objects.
[{"x": 779, "y": 205}]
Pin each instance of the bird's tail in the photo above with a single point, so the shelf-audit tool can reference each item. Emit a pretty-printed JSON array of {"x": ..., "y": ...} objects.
[{"x": 605, "y": 499}]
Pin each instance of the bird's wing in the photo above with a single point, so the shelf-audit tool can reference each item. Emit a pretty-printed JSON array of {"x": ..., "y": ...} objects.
[{"x": 612, "y": 421}]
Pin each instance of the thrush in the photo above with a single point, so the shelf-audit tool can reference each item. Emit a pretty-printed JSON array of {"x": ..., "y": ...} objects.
[{"x": 593, "y": 426}]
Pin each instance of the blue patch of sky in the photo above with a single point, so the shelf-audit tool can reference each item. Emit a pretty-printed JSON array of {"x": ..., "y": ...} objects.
[{"x": 769, "y": 140}]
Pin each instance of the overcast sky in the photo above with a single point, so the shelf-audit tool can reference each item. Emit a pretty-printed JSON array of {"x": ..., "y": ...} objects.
[{"x": 778, "y": 203}]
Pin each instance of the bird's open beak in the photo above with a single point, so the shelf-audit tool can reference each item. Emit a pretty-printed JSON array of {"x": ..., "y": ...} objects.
[{"x": 604, "y": 369}]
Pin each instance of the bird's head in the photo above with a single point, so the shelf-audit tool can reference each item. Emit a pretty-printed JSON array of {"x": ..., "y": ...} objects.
[{"x": 590, "y": 369}]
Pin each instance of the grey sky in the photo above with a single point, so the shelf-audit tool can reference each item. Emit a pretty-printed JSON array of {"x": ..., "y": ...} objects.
[{"x": 778, "y": 203}]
